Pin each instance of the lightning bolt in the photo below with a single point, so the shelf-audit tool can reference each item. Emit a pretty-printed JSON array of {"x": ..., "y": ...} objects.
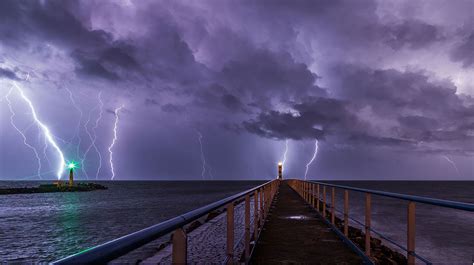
[
  {"x": 453, "y": 164},
  {"x": 38, "y": 159},
  {"x": 77, "y": 132},
  {"x": 312, "y": 158},
  {"x": 45, "y": 130},
  {"x": 284, "y": 154},
  {"x": 211, "y": 175},
  {"x": 93, "y": 135},
  {"x": 203, "y": 159},
  {"x": 86, "y": 128},
  {"x": 116, "y": 113},
  {"x": 45, "y": 147},
  {"x": 94, "y": 129}
]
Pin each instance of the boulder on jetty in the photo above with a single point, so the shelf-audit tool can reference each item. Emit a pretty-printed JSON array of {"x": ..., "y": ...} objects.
[{"x": 47, "y": 188}]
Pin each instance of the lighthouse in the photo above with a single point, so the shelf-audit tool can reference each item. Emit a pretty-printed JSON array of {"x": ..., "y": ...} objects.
[
  {"x": 71, "y": 167},
  {"x": 280, "y": 170}
]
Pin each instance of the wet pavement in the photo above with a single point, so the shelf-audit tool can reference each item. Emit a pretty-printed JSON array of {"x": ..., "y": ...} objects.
[{"x": 295, "y": 234}]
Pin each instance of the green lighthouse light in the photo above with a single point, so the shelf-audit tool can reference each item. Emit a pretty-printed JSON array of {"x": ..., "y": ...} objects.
[{"x": 71, "y": 165}]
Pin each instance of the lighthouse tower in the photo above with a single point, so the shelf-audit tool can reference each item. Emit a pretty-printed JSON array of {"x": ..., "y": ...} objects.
[
  {"x": 71, "y": 167},
  {"x": 280, "y": 170},
  {"x": 71, "y": 177}
]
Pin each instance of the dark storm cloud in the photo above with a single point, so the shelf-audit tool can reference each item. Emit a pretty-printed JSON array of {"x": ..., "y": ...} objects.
[
  {"x": 350, "y": 24},
  {"x": 151, "y": 102},
  {"x": 7, "y": 73},
  {"x": 110, "y": 62},
  {"x": 370, "y": 140},
  {"x": 95, "y": 51},
  {"x": 256, "y": 80},
  {"x": 52, "y": 20},
  {"x": 279, "y": 125},
  {"x": 390, "y": 95},
  {"x": 231, "y": 102},
  {"x": 262, "y": 76},
  {"x": 398, "y": 89},
  {"x": 418, "y": 122},
  {"x": 413, "y": 34},
  {"x": 311, "y": 119},
  {"x": 119, "y": 55},
  {"x": 464, "y": 51},
  {"x": 172, "y": 108},
  {"x": 92, "y": 67},
  {"x": 441, "y": 113}
]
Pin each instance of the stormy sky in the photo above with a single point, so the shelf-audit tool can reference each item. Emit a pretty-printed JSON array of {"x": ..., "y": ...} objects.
[{"x": 214, "y": 89}]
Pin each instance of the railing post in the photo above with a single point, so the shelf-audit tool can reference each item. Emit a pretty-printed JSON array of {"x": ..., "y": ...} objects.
[
  {"x": 247, "y": 227},
  {"x": 272, "y": 189},
  {"x": 317, "y": 193},
  {"x": 324, "y": 201},
  {"x": 230, "y": 233},
  {"x": 267, "y": 200},
  {"x": 309, "y": 193},
  {"x": 312, "y": 195},
  {"x": 367, "y": 224},
  {"x": 346, "y": 213},
  {"x": 333, "y": 201},
  {"x": 179, "y": 251},
  {"x": 306, "y": 191},
  {"x": 264, "y": 202},
  {"x": 301, "y": 188},
  {"x": 255, "y": 215},
  {"x": 411, "y": 233},
  {"x": 262, "y": 215}
]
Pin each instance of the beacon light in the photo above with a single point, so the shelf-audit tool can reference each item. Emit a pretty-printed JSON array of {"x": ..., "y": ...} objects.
[{"x": 71, "y": 165}]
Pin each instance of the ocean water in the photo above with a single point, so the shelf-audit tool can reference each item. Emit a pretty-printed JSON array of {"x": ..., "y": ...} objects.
[{"x": 45, "y": 227}]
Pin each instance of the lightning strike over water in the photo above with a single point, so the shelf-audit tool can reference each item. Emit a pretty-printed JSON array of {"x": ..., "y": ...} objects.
[
  {"x": 38, "y": 159},
  {"x": 77, "y": 132},
  {"x": 45, "y": 130},
  {"x": 211, "y": 175},
  {"x": 86, "y": 128},
  {"x": 94, "y": 131},
  {"x": 284, "y": 154},
  {"x": 116, "y": 113},
  {"x": 93, "y": 135},
  {"x": 312, "y": 158},
  {"x": 203, "y": 159},
  {"x": 453, "y": 164},
  {"x": 45, "y": 148}
]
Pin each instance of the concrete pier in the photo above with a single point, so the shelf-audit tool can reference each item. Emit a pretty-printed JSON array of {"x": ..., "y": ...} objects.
[{"x": 295, "y": 234}]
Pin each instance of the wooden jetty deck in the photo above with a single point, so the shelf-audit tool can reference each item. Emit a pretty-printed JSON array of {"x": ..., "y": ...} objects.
[{"x": 295, "y": 234}]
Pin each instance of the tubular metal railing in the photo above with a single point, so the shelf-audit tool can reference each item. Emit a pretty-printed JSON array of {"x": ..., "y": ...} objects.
[
  {"x": 310, "y": 191},
  {"x": 263, "y": 196}
]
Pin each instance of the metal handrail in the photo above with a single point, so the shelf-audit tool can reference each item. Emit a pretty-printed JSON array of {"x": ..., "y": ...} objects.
[
  {"x": 385, "y": 237},
  {"x": 307, "y": 191},
  {"x": 118, "y": 247},
  {"x": 438, "y": 202}
]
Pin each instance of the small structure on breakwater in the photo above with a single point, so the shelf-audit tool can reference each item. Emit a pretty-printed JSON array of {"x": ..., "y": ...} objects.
[
  {"x": 57, "y": 186},
  {"x": 47, "y": 188}
]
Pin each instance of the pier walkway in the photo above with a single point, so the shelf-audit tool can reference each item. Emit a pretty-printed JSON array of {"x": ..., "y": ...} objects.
[
  {"x": 278, "y": 222},
  {"x": 294, "y": 233}
]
